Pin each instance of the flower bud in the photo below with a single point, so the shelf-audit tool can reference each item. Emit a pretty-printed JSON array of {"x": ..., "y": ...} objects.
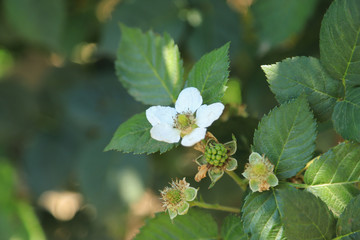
[{"x": 259, "y": 171}]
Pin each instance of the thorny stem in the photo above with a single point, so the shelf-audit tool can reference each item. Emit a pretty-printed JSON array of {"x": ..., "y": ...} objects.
[
  {"x": 215, "y": 207},
  {"x": 241, "y": 182}
]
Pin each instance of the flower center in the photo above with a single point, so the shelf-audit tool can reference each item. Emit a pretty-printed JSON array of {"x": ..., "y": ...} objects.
[
  {"x": 183, "y": 120},
  {"x": 185, "y": 123},
  {"x": 174, "y": 196},
  {"x": 260, "y": 169}
]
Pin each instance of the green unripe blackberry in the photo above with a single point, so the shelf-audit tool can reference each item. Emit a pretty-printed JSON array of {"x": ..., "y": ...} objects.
[{"x": 216, "y": 154}]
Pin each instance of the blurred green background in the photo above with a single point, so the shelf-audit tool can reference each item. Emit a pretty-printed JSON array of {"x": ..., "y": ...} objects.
[{"x": 60, "y": 103}]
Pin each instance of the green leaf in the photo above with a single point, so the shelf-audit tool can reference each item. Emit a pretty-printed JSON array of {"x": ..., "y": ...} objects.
[
  {"x": 340, "y": 41},
  {"x": 149, "y": 66},
  {"x": 262, "y": 216},
  {"x": 346, "y": 115},
  {"x": 134, "y": 136},
  {"x": 305, "y": 216},
  {"x": 210, "y": 75},
  {"x": 293, "y": 76},
  {"x": 287, "y": 137},
  {"x": 232, "y": 229},
  {"x": 348, "y": 225},
  {"x": 333, "y": 176},
  {"x": 194, "y": 225},
  {"x": 38, "y": 21},
  {"x": 270, "y": 16}
]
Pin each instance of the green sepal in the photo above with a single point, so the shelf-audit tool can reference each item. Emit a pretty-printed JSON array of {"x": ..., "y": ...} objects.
[
  {"x": 183, "y": 208},
  {"x": 255, "y": 158},
  {"x": 246, "y": 174},
  {"x": 215, "y": 174},
  {"x": 231, "y": 146},
  {"x": 172, "y": 213},
  {"x": 272, "y": 180},
  {"x": 254, "y": 185},
  {"x": 232, "y": 164},
  {"x": 201, "y": 160},
  {"x": 190, "y": 194}
]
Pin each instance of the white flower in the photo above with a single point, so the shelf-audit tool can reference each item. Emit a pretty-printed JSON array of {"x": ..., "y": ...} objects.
[{"x": 189, "y": 119}]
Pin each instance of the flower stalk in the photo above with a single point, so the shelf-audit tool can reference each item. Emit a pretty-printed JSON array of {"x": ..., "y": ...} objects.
[
  {"x": 242, "y": 183},
  {"x": 214, "y": 207}
]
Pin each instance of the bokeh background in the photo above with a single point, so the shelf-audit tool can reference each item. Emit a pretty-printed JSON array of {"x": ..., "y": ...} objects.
[{"x": 61, "y": 102}]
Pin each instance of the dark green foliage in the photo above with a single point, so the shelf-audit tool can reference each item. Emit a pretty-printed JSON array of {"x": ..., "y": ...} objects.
[
  {"x": 348, "y": 225},
  {"x": 210, "y": 75},
  {"x": 149, "y": 66},
  {"x": 232, "y": 229},
  {"x": 333, "y": 176},
  {"x": 134, "y": 136},
  {"x": 346, "y": 115},
  {"x": 287, "y": 137},
  {"x": 194, "y": 225},
  {"x": 294, "y": 76},
  {"x": 262, "y": 216},
  {"x": 340, "y": 41},
  {"x": 305, "y": 216}
]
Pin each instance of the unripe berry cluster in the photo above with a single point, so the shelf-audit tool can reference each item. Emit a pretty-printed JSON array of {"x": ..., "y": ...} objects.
[{"x": 216, "y": 154}]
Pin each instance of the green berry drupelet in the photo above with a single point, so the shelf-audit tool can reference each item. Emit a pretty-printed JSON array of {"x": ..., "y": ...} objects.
[{"x": 216, "y": 154}]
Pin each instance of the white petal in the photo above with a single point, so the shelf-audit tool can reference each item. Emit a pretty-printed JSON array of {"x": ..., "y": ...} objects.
[
  {"x": 165, "y": 133},
  {"x": 195, "y": 136},
  {"x": 189, "y": 100},
  {"x": 159, "y": 114},
  {"x": 207, "y": 114}
]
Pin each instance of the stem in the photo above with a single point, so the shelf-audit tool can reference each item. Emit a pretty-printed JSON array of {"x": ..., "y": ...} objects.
[
  {"x": 298, "y": 185},
  {"x": 241, "y": 182},
  {"x": 214, "y": 207}
]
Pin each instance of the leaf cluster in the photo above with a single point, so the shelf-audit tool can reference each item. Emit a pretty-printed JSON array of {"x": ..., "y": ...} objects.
[{"x": 309, "y": 91}]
